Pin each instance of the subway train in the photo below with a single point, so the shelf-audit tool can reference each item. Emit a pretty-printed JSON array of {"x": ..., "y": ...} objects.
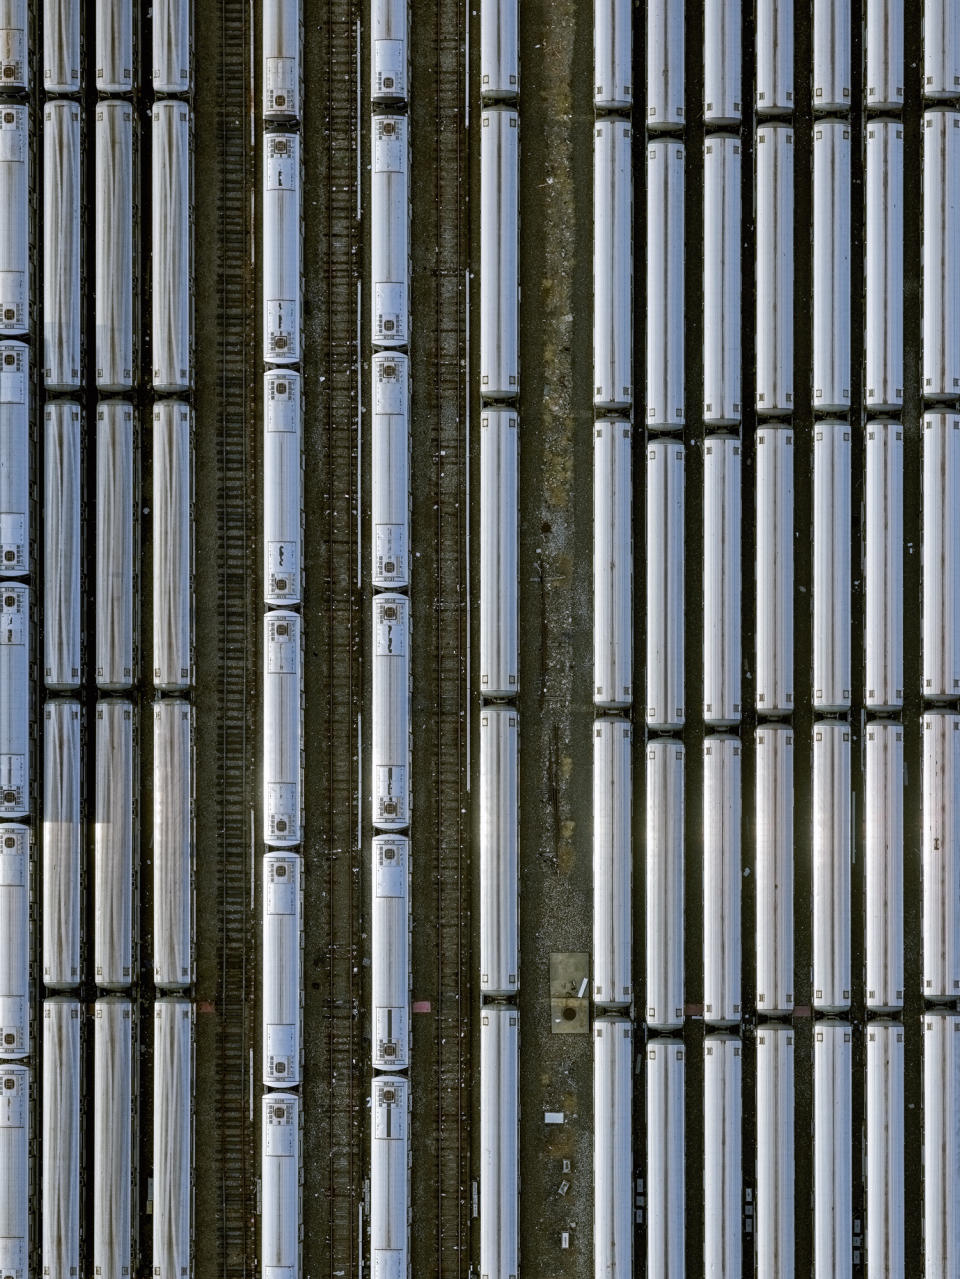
[
  {"x": 114, "y": 1166},
  {"x": 282, "y": 729},
  {"x": 832, "y": 85},
  {"x": 612, "y": 53},
  {"x": 390, "y": 232},
  {"x": 613, "y": 1169},
  {"x": 172, "y": 70},
  {"x": 116, "y": 258},
  {"x": 14, "y": 46},
  {"x": 116, "y": 47},
  {"x": 831, "y": 266},
  {"x": 721, "y": 879},
  {"x": 62, "y": 544},
  {"x": 15, "y": 527},
  {"x": 389, "y": 22},
  {"x": 282, "y": 265},
  {"x": 612, "y": 564},
  {"x": 391, "y": 780},
  {"x": 773, "y": 874},
  {"x": 15, "y": 930},
  {"x": 664, "y": 702},
  {"x": 63, "y": 844},
  {"x": 612, "y": 266},
  {"x": 63, "y": 266},
  {"x": 390, "y": 471},
  {"x": 390, "y": 951},
  {"x": 832, "y": 1147},
  {"x": 283, "y": 488},
  {"x": 172, "y": 244},
  {"x": 15, "y": 1138},
  {"x": 15, "y": 297},
  {"x": 390, "y": 1176},
  {"x": 722, "y": 577},
  {"x": 499, "y": 253},
  {"x": 282, "y": 78},
  {"x": 775, "y": 1145},
  {"x": 282, "y": 968},
  {"x": 773, "y": 632},
  {"x": 280, "y": 1154},
  {"x": 722, "y": 1154},
  {"x": 612, "y": 862},
  {"x": 173, "y": 844},
  {"x": 883, "y": 866},
  {"x": 172, "y": 546},
  {"x": 499, "y": 1140},
  {"x": 60, "y": 1177},
  {"x": 116, "y": 807},
  {"x": 62, "y": 46},
  {"x": 663, "y": 854},
  {"x": 499, "y": 532},
  {"x": 499, "y": 852},
  {"x": 173, "y": 1138},
  {"x": 117, "y": 558},
  {"x": 832, "y": 870},
  {"x": 15, "y": 695}
]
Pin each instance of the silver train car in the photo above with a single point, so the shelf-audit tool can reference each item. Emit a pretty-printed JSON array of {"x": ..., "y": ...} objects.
[
  {"x": 389, "y": 1177},
  {"x": 15, "y": 530},
  {"x": 722, "y": 1156},
  {"x": 832, "y": 1150},
  {"x": 941, "y": 555},
  {"x": 499, "y": 1143},
  {"x": 280, "y": 1147},
  {"x": 282, "y": 1002},
  {"x": 283, "y": 488},
  {"x": 774, "y": 461},
  {"x": 612, "y": 52},
  {"x": 62, "y": 45},
  {"x": 721, "y": 879},
  {"x": 721, "y": 580},
  {"x": 499, "y": 851},
  {"x": 665, "y": 1158},
  {"x": 941, "y": 49},
  {"x": 172, "y": 243},
  {"x": 390, "y": 951},
  {"x": 940, "y": 844},
  {"x": 114, "y": 1169},
  {"x": 831, "y": 566},
  {"x": 774, "y": 262},
  {"x": 612, "y": 564},
  {"x": 612, "y": 265},
  {"x": 15, "y": 299},
  {"x": 774, "y": 869},
  {"x": 64, "y": 845},
  {"x": 883, "y": 55},
  {"x": 613, "y": 1183},
  {"x": 172, "y": 71},
  {"x": 62, "y": 247},
  {"x": 282, "y": 266},
  {"x": 665, "y": 708},
  {"x": 665, "y": 65},
  {"x": 883, "y": 293},
  {"x": 721, "y": 280},
  {"x": 390, "y": 471},
  {"x": 282, "y": 729},
  {"x": 773, "y": 89},
  {"x": 883, "y": 567},
  {"x": 172, "y": 547},
  {"x": 62, "y": 544},
  {"x": 116, "y": 587},
  {"x": 663, "y": 851},
  {"x": 832, "y": 838},
  {"x": 664, "y": 272},
  {"x": 775, "y": 1151},
  {"x": 722, "y": 89},
  {"x": 388, "y": 49},
  {"x": 115, "y": 246},
  {"x": 60, "y": 1137},
  {"x": 499, "y": 518},
  {"x": 612, "y": 862},
  {"x": 14, "y": 52},
  {"x": 832, "y": 85},
  {"x": 116, "y": 50},
  {"x": 173, "y": 846},
  {"x": 15, "y": 1169},
  {"x": 884, "y": 1162},
  {"x": 831, "y": 266},
  {"x": 15, "y": 932},
  {"x": 281, "y": 72},
  {"x": 390, "y": 230},
  {"x": 115, "y": 844},
  {"x": 172, "y": 1138},
  {"x": 941, "y": 1153},
  {"x": 15, "y": 745},
  {"x": 941, "y": 254},
  {"x": 499, "y": 252},
  {"x": 390, "y": 747}
]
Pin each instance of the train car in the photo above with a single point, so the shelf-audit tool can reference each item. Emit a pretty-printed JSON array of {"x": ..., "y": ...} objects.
[
  {"x": 60, "y": 1177},
  {"x": 499, "y": 1141},
  {"x": 832, "y": 84},
  {"x": 499, "y": 519},
  {"x": 665, "y": 587},
  {"x": 722, "y": 1156},
  {"x": 63, "y": 275},
  {"x": 884, "y": 1163},
  {"x": 62, "y": 44},
  {"x": 721, "y": 280},
  {"x": 499, "y": 251},
  {"x": 172, "y": 242},
  {"x": 15, "y": 932},
  {"x": 831, "y": 866},
  {"x": 172, "y": 1138},
  {"x": 62, "y": 544},
  {"x": 612, "y": 862},
  {"x": 173, "y": 848},
  {"x": 941, "y": 1147},
  {"x": 774, "y": 869},
  {"x": 773, "y": 88},
  {"x": 64, "y": 845},
  {"x": 388, "y": 49},
  {"x": 115, "y": 843},
  {"x": 832, "y": 1149},
  {"x": 665, "y": 65},
  {"x": 940, "y": 842},
  {"x": 612, "y": 564},
  {"x": 941, "y": 49},
  {"x": 282, "y": 729},
  {"x": 14, "y": 220},
  {"x": 883, "y": 567},
  {"x": 116, "y": 648},
  {"x": 831, "y": 566},
  {"x": 941, "y": 555},
  {"x": 941, "y": 254},
  {"x": 280, "y": 1230},
  {"x": 666, "y": 1183},
  {"x": 774, "y": 1238},
  {"x": 721, "y": 580},
  {"x": 115, "y": 246},
  {"x": 283, "y": 968},
  {"x": 774, "y": 460},
  {"x": 15, "y": 1164},
  {"x": 721, "y": 880},
  {"x": 283, "y": 487},
  {"x": 499, "y": 851},
  {"x": 663, "y": 852},
  {"x": 172, "y": 71},
  {"x": 172, "y": 546},
  {"x": 15, "y": 745},
  {"x": 612, "y": 52},
  {"x": 114, "y": 1205},
  {"x": 883, "y": 294},
  {"x": 612, "y": 265},
  {"x": 15, "y": 522},
  {"x": 883, "y": 866},
  {"x": 664, "y": 272},
  {"x": 282, "y": 265},
  {"x": 116, "y": 51},
  {"x": 390, "y": 471},
  {"x": 390, "y": 749},
  {"x": 14, "y": 51},
  {"x": 390, "y": 228},
  {"x": 390, "y": 951},
  {"x": 281, "y": 72},
  {"x": 613, "y": 1184},
  {"x": 883, "y": 55},
  {"x": 831, "y": 266},
  {"x": 722, "y": 91},
  {"x": 389, "y": 1177},
  {"x": 774, "y": 263}
]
